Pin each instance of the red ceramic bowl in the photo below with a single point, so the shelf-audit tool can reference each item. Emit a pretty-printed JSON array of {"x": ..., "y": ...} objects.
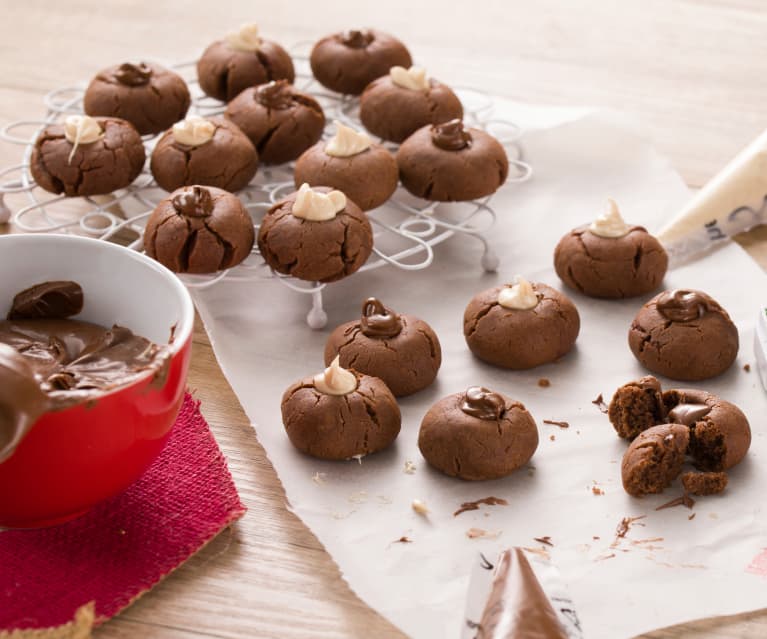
[{"x": 75, "y": 458}]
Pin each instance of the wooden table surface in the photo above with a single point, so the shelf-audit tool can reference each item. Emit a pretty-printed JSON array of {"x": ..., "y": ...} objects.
[{"x": 692, "y": 72}]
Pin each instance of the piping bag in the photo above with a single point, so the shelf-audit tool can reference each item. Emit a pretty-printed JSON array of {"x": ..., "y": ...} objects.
[
  {"x": 519, "y": 596},
  {"x": 735, "y": 200}
]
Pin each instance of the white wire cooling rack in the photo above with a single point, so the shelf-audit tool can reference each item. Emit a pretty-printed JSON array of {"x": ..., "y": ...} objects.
[{"x": 406, "y": 229}]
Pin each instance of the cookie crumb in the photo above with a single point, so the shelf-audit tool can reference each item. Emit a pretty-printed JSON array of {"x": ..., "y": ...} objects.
[
  {"x": 705, "y": 483},
  {"x": 596, "y": 537},
  {"x": 683, "y": 500},
  {"x": 544, "y": 382},
  {"x": 599, "y": 402},
  {"x": 420, "y": 507},
  {"x": 409, "y": 468},
  {"x": 552, "y": 437},
  {"x": 603, "y": 557},
  {"x": 474, "y": 505},
  {"x": 597, "y": 490},
  {"x": 481, "y": 533},
  {"x": 625, "y": 525},
  {"x": 319, "y": 478},
  {"x": 544, "y": 540},
  {"x": 691, "y": 517},
  {"x": 747, "y": 368},
  {"x": 556, "y": 423},
  {"x": 403, "y": 540}
]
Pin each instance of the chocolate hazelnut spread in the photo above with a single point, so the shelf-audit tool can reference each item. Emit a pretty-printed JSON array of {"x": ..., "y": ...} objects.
[
  {"x": 687, "y": 414},
  {"x": 277, "y": 94},
  {"x": 483, "y": 403},
  {"x": 195, "y": 203},
  {"x": 379, "y": 321},
  {"x": 50, "y": 362},
  {"x": 133, "y": 75},
  {"x": 684, "y": 306},
  {"x": 450, "y": 136},
  {"x": 517, "y": 607},
  {"x": 356, "y": 39}
]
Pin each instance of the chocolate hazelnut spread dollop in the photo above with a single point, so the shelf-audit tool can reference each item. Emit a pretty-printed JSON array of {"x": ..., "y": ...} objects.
[
  {"x": 687, "y": 414},
  {"x": 450, "y": 136},
  {"x": 379, "y": 321},
  {"x": 49, "y": 362},
  {"x": 277, "y": 94},
  {"x": 685, "y": 306},
  {"x": 195, "y": 203},
  {"x": 133, "y": 75},
  {"x": 483, "y": 403},
  {"x": 356, "y": 39}
]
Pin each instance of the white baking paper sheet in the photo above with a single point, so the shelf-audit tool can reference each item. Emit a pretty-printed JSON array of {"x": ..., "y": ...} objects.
[{"x": 669, "y": 568}]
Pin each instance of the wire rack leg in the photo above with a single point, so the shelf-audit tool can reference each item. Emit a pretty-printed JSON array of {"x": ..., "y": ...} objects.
[
  {"x": 317, "y": 318},
  {"x": 5, "y": 212},
  {"x": 489, "y": 261}
]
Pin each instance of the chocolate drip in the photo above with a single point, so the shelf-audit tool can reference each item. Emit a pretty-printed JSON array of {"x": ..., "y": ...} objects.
[
  {"x": 133, "y": 75},
  {"x": 47, "y": 300},
  {"x": 196, "y": 202},
  {"x": 687, "y": 414},
  {"x": 684, "y": 306},
  {"x": 356, "y": 39},
  {"x": 450, "y": 136},
  {"x": 277, "y": 94},
  {"x": 482, "y": 403},
  {"x": 379, "y": 321}
]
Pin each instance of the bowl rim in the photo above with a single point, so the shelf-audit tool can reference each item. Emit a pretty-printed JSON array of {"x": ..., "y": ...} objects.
[{"x": 185, "y": 325}]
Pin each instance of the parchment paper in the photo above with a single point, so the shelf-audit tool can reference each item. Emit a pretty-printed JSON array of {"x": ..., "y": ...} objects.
[{"x": 690, "y": 568}]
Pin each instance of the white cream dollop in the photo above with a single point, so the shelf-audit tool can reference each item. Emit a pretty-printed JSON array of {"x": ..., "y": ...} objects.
[
  {"x": 194, "y": 130},
  {"x": 413, "y": 78},
  {"x": 245, "y": 39},
  {"x": 610, "y": 223},
  {"x": 81, "y": 129},
  {"x": 520, "y": 296},
  {"x": 347, "y": 142},
  {"x": 335, "y": 380},
  {"x": 316, "y": 206}
]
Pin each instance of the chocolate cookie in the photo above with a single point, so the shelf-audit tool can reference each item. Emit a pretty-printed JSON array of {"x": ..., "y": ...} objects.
[
  {"x": 396, "y": 105},
  {"x": 447, "y": 163},
  {"x": 477, "y": 435},
  {"x": 317, "y": 235},
  {"x": 350, "y": 162},
  {"x": 87, "y": 156},
  {"x": 704, "y": 483},
  {"x": 520, "y": 326},
  {"x": 147, "y": 95},
  {"x": 402, "y": 350},
  {"x": 348, "y": 61},
  {"x": 242, "y": 60},
  {"x": 654, "y": 459},
  {"x": 280, "y": 122},
  {"x": 207, "y": 151},
  {"x": 340, "y": 414},
  {"x": 199, "y": 229},
  {"x": 684, "y": 334},
  {"x": 610, "y": 259},
  {"x": 637, "y": 406}
]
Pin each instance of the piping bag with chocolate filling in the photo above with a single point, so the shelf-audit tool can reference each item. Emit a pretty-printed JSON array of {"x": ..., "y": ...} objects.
[{"x": 518, "y": 596}]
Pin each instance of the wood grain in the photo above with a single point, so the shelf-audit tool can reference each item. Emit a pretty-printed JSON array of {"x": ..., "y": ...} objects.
[{"x": 691, "y": 72}]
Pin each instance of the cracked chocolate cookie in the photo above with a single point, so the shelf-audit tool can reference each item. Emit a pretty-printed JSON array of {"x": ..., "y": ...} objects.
[
  {"x": 637, "y": 406},
  {"x": 402, "y": 350},
  {"x": 350, "y": 60},
  {"x": 207, "y": 151},
  {"x": 396, "y": 105},
  {"x": 241, "y": 60},
  {"x": 149, "y": 96},
  {"x": 520, "y": 326},
  {"x": 340, "y": 414},
  {"x": 477, "y": 435},
  {"x": 704, "y": 483},
  {"x": 199, "y": 229},
  {"x": 685, "y": 335},
  {"x": 87, "y": 156},
  {"x": 447, "y": 163},
  {"x": 280, "y": 122},
  {"x": 610, "y": 259},
  {"x": 350, "y": 162},
  {"x": 654, "y": 459},
  {"x": 315, "y": 234}
]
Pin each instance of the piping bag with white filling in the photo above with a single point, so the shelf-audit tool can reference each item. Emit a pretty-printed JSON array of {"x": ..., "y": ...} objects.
[
  {"x": 735, "y": 200},
  {"x": 520, "y": 596}
]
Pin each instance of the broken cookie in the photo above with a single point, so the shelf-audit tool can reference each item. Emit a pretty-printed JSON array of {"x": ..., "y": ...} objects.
[
  {"x": 654, "y": 459},
  {"x": 206, "y": 151},
  {"x": 87, "y": 156},
  {"x": 340, "y": 414},
  {"x": 199, "y": 229},
  {"x": 520, "y": 326},
  {"x": 400, "y": 349},
  {"x": 610, "y": 259},
  {"x": 704, "y": 483},
  {"x": 685, "y": 335},
  {"x": 280, "y": 121}
]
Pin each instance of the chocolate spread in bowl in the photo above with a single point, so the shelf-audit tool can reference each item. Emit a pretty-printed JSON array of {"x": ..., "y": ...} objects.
[{"x": 49, "y": 362}]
